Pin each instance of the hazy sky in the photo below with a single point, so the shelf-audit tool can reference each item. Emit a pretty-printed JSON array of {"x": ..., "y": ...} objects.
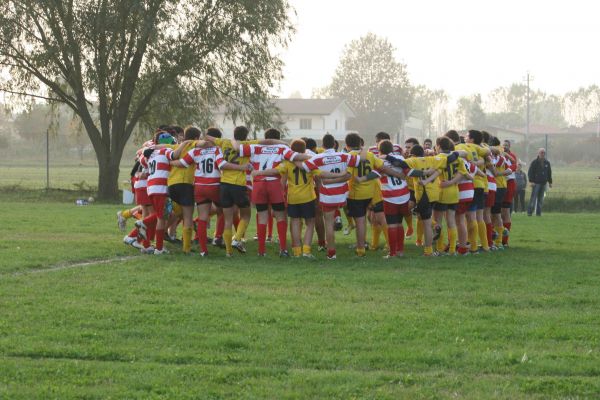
[{"x": 462, "y": 46}]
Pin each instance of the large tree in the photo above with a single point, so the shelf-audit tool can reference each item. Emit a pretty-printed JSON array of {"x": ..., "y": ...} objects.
[
  {"x": 375, "y": 85},
  {"x": 117, "y": 63}
]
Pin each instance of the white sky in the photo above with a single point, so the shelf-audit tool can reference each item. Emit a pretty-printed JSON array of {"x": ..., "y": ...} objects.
[{"x": 462, "y": 46}]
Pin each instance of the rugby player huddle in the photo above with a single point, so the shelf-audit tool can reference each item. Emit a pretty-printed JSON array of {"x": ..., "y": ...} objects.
[{"x": 463, "y": 183}]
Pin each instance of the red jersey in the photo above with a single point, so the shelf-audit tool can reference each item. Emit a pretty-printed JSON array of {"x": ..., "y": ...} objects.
[
  {"x": 334, "y": 194},
  {"x": 209, "y": 162},
  {"x": 394, "y": 190},
  {"x": 264, "y": 157}
]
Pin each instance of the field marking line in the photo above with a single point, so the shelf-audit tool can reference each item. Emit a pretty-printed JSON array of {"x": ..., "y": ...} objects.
[{"x": 73, "y": 265}]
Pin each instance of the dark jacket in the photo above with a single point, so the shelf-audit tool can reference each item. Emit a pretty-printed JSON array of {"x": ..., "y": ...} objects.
[{"x": 540, "y": 172}]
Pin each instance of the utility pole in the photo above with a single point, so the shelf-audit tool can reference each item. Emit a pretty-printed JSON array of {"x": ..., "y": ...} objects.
[
  {"x": 47, "y": 159},
  {"x": 527, "y": 127}
]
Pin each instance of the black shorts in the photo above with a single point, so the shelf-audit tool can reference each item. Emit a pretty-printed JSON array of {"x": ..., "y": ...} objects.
[
  {"x": 478, "y": 202},
  {"x": 412, "y": 196},
  {"x": 231, "y": 195},
  {"x": 377, "y": 208},
  {"x": 497, "y": 207},
  {"x": 182, "y": 194},
  {"x": 302, "y": 210},
  {"x": 358, "y": 208},
  {"x": 444, "y": 207},
  {"x": 424, "y": 207}
]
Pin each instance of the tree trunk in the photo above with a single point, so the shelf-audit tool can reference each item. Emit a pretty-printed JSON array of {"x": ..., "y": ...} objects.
[{"x": 109, "y": 162}]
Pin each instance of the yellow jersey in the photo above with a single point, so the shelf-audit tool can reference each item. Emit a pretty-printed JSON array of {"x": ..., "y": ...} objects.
[
  {"x": 450, "y": 194},
  {"x": 300, "y": 183},
  {"x": 364, "y": 190},
  {"x": 500, "y": 168},
  {"x": 180, "y": 174},
  {"x": 232, "y": 155},
  {"x": 476, "y": 152},
  {"x": 424, "y": 163}
]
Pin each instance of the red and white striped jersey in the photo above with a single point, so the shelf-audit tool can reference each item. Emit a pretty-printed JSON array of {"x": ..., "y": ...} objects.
[
  {"x": 394, "y": 190},
  {"x": 490, "y": 176},
  {"x": 209, "y": 162},
  {"x": 512, "y": 166},
  {"x": 266, "y": 157},
  {"x": 334, "y": 194},
  {"x": 158, "y": 170},
  {"x": 396, "y": 152},
  {"x": 466, "y": 188}
]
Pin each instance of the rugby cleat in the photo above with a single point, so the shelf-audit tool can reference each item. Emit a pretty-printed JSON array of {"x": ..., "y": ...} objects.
[
  {"x": 332, "y": 257},
  {"x": 308, "y": 255},
  {"x": 337, "y": 225},
  {"x": 158, "y": 252},
  {"x": 219, "y": 242},
  {"x": 141, "y": 228},
  {"x": 128, "y": 240},
  {"x": 239, "y": 246},
  {"x": 147, "y": 250},
  {"x": 437, "y": 232},
  {"x": 121, "y": 221},
  {"x": 284, "y": 254}
]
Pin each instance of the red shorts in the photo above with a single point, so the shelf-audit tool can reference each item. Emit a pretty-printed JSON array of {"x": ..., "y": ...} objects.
[
  {"x": 395, "y": 209},
  {"x": 511, "y": 187},
  {"x": 141, "y": 197},
  {"x": 490, "y": 199},
  {"x": 158, "y": 202},
  {"x": 206, "y": 194},
  {"x": 326, "y": 208},
  {"x": 462, "y": 208},
  {"x": 267, "y": 192}
]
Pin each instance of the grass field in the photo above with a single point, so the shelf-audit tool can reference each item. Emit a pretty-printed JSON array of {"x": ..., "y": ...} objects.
[{"x": 522, "y": 323}]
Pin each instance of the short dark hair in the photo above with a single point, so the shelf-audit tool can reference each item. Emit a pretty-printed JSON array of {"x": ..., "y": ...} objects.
[
  {"x": 445, "y": 144},
  {"x": 453, "y": 135},
  {"x": 353, "y": 140},
  {"x": 298, "y": 145},
  {"x": 214, "y": 132},
  {"x": 494, "y": 141},
  {"x": 428, "y": 141},
  {"x": 412, "y": 140},
  {"x": 382, "y": 136},
  {"x": 475, "y": 136},
  {"x": 485, "y": 137},
  {"x": 417, "y": 150},
  {"x": 310, "y": 143},
  {"x": 272, "y": 133},
  {"x": 191, "y": 133},
  {"x": 328, "y": 141},
  {"x": 240, "y": 133},
  {"x": 177, "y": 130},
  {"x": 386, "y": 147}
]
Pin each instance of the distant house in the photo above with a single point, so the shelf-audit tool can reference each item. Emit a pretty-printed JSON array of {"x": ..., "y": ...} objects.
[{"x": 304, "y": 118}]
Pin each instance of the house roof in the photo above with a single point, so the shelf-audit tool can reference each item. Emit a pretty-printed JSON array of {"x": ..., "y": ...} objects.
[{"x": 309, "y": 106}]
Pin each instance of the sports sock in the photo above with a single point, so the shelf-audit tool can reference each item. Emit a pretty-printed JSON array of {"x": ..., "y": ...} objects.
[
  {"x": 393, "y": 240},
  {"x": 337, "y": 213},
  {"x": 322, "y": 243},
  {"x": 400, "y": 239},
  {"x": 133, "y": 233},
  {"x": 473, "y": 233},
  {"x": 452, "y": 235},
  {"x": 375, "y": 237},
  {"x": 187, "y": 239},
  {"x": 482, "y": 231},
  {"x": 220, "y": 226},
  {"x": 270, "y": 226},
  {"x": 419, "y": 231},
  {"x": 202, "y": 236},
  {"x": 126, "y": 214},
  {"x": 261, "y": 232},
  {"x": 427, "y": 250},
  {"x": 305, "y": 249},
  {"x": 282, "y": 234},
  {"x": 440, "y": 244},
  {"x": 227, "y": 237},
  {"x": 241, "y": 229},
  {"x": 160, "y": 236},
  {"x": 297, "y": 251},
  {"x": 498, "y": 229},
  {"x": 507, "y": 225},
  {"x": 489, "y": 228},
  {"x": 360, "y": 251},
  {"x": 384, "y": 229},
  {"x": 330, "y": 252}
]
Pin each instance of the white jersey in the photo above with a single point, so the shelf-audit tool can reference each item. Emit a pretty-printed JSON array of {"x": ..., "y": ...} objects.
[
  {"x": 209, "y": 162},
  {"x": 334, "y": 194},
  {"x": 394, "y": 190},
  {"x": 158, "y": 171},
  {"x": 264, "y": 157}
]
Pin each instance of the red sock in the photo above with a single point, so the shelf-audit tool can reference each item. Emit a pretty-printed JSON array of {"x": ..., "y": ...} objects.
[
  {"x": 133, "y": 233},
  {"x": 150, "y": 219},
  {"x": 261, "y": 232},
  {"x": 330, "y": 252},
  {"x": 160, "y": 235},
  {"x": 236, "y": 221},
  {"x": 507, "y": 225},
  {"x": 282, "y": 233},
  {"x": 490, "y": 232},
  {"x": 220, "y": 226},
  {"x": 322, "y": 243},
  {"x": 392, "y": 232},
  {"x": 270, "y": 225},
  {"x": 337, "y": 213},
  {"x": 400, "y": 236},
  {"x": 202, "y": 236}
]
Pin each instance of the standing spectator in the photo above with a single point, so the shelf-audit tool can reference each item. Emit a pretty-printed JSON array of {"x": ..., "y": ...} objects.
[
  {"x": 521, "y": 181},
  {"x": 540, "y": 174}
]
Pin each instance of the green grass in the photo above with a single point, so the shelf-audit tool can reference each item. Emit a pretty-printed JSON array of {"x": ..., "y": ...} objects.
[{"x": 520, "y": 323}]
